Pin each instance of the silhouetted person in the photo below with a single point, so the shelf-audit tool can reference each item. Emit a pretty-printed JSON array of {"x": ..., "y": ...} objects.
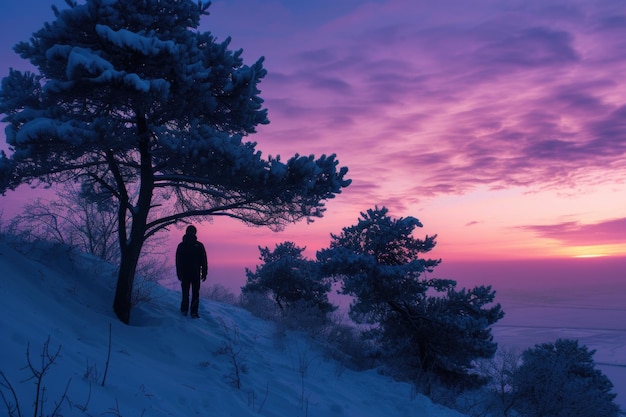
[{"x": 191, "y": 265}]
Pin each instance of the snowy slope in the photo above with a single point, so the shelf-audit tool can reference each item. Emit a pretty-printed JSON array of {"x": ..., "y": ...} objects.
[{"x": 165, "y": 364}]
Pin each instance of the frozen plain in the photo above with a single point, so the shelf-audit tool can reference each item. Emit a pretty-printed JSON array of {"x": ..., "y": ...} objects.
[{"x": 594, "y": 315}]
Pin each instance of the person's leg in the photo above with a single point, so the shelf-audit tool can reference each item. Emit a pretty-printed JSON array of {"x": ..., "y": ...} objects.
[
  {"x": 184, "y": 305},
  {"x": 195, "y": 297}
]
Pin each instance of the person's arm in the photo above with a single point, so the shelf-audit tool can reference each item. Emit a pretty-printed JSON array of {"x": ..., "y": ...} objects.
[
  {"x": 204, "y": 262},
  {"x": 178, "y": 263}
]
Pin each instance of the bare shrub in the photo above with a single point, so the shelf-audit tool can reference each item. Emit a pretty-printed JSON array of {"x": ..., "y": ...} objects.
[
  {"x": 302, "y": 316},
  {"x": 300, "y": 352},
  {"x": 84, "y": 222},
  {"x": 345, "y": 344},
  {"x": 74, "y": 219},
  {"x": 500, "y": 371},
  {"x": 235, "y": 351},
  {"x": 218, "y": 292},
  {"x": 150, "y": 270},
  {"x": 260, "y": 306},
  {"x": 38, "y": 373}
]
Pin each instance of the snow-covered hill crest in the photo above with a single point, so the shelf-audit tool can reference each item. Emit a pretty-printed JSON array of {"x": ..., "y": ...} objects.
[{"x": 227, "y": 363}]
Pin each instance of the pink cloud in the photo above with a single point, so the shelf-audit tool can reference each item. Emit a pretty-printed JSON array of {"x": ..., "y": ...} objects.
[
  {"x": 379, "y": 78},
  {"x": 494, "y": 94},
  {"x": 576, "y": 234}
]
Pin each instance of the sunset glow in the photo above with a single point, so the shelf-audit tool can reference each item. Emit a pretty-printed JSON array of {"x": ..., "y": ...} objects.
[
  {"x": 595, "y": 252},
  {"x": 501, "y": 126}
]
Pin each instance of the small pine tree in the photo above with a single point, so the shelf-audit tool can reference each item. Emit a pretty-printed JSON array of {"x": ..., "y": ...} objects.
[
  {"x": 560, "y": 380},
  {"x": 289, "y": 279}
]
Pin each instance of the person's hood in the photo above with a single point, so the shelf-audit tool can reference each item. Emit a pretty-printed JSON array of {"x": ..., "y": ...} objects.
[{"x": 189, "y": 238}]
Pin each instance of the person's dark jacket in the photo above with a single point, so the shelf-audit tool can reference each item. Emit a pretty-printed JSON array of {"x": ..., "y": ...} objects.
[{"x": 191, "y": 262}]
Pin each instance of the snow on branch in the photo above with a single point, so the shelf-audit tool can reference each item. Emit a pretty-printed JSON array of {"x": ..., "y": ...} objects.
[
  {"x": 84, "y": 59},
  {"x": 46, "y": 128},
  {"x": 123, "y": 38},
  {"x": 82, "y": 62}
]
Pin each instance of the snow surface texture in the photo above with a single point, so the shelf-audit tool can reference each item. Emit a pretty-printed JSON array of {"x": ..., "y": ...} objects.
[{"x": 165, "y": 364}]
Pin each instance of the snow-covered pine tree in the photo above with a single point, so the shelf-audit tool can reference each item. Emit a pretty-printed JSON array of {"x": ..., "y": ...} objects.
[
  {"x": 560, "y": 380},
  {"x": 134, "y": 101},
  {"x": 423, "y": 324},
  {"x": 290, "y": 280}
]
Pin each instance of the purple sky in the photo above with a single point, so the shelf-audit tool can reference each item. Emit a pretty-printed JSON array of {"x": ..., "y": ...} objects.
[{"x": 500, "y": 125}]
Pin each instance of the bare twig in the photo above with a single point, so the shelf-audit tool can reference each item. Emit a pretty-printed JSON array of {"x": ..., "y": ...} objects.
[
  {"x": 106, "y": 366},
  {"x": 13, "y": 409},
  {"x": 267, "y": 391},
  {"x": 47, "y": 360}
]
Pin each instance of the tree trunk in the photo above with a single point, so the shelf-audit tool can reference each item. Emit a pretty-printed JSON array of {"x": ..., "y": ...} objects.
[
  {"x": 131, "y": 247},
  {"x": 125, "y": 279}
]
